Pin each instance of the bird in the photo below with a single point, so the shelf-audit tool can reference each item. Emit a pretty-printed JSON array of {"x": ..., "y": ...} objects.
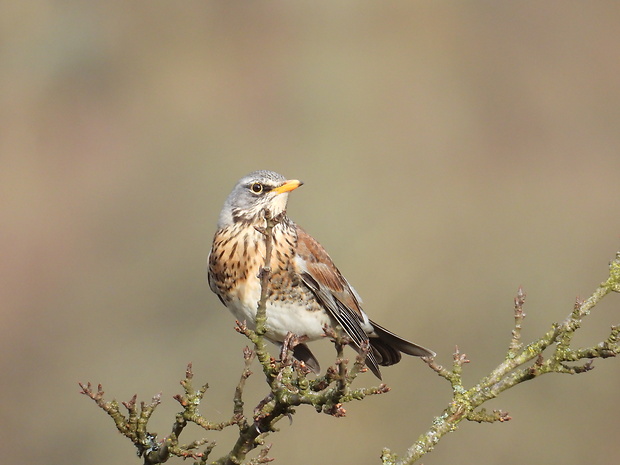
[{"x": 307, "y": 292}]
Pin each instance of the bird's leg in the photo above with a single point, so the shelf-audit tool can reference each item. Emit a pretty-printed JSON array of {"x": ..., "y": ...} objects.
[
  {"x": 287, "y": 353},
  {"x": 286, "y": 350}
]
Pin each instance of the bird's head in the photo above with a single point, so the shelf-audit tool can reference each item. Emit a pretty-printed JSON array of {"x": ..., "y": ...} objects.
[{"x": 253, "y": 194}]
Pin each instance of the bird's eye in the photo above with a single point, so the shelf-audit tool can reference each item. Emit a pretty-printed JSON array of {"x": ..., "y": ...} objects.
[{"x": 256, "y": 187}]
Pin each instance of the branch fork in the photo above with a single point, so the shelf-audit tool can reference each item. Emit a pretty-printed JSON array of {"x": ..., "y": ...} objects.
[
  {"x": 289, "y": 385},
  {"x": 521, "y": 363}
]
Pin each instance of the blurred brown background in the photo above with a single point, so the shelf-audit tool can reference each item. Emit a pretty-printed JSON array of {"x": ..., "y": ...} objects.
[{"x": 451, "y": 152}]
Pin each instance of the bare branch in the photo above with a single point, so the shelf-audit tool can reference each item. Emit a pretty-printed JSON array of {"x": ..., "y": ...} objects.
[
  {"x": 289, "y": 386},
  {"x": 515, "y": 369}
]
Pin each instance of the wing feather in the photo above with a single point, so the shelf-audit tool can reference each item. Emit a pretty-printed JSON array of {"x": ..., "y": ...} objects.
[{"x": 318, "y": 272}]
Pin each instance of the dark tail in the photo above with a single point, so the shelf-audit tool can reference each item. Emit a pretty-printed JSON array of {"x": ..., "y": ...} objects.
[
  {"x": 387, "y": 348},
  {"x": 302, "y": 352}
]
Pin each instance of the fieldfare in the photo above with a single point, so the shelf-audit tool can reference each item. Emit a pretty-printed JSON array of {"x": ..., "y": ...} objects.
[{"x": 307, "y": 291}]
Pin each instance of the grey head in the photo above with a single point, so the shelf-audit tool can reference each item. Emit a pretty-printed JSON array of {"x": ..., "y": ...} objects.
[{"x": 252, "y": 194}]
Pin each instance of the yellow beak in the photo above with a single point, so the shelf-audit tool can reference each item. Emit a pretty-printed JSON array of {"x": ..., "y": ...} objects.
[{"x": 288, "y": 186}]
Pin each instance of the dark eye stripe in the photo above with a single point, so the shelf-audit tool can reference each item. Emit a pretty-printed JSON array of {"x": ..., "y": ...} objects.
[{"x": 258, "y": 188}]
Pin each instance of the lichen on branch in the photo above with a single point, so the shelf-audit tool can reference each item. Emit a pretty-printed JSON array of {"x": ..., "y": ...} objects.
[
  {"x": 553, "y": 352},
  {"x": 288, "y": 382}
]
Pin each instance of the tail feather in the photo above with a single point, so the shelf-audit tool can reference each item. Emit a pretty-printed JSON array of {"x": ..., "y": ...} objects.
[
  {"x": 387, "y": 349},
  {"x": 303, "y": 353},
  {"x": 396, "y": 343},
  {"x": 385, "y": 353}
]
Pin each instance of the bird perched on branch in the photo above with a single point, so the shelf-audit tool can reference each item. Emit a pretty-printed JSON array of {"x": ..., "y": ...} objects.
[{"x": 306, "y": 290}]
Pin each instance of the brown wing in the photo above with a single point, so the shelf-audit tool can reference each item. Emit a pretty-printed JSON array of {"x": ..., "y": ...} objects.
[{"x": 332, "y": 291}]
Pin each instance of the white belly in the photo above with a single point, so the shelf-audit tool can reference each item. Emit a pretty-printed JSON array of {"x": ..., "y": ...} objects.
[{"x": 281, "y": 318}]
